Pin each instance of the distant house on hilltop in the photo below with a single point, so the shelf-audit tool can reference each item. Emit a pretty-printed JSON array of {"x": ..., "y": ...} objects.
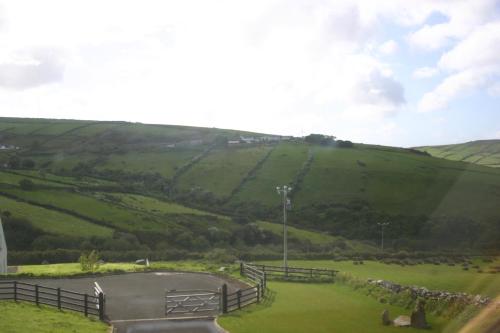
[
  {"x": 250, "y": 139},
  {"x": 3, "y": 251}
]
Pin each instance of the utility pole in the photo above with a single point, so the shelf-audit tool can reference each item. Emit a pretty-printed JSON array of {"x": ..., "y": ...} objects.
[
  {"x": 382, "y": 226},
  {"x": 283, "y": 191}
]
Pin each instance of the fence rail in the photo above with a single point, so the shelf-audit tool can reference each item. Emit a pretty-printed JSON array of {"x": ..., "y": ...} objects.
[
  {"x": 243, "y": 297},
  {"x": 56, "y": 297},
  {"x": 299, "y": 272}
]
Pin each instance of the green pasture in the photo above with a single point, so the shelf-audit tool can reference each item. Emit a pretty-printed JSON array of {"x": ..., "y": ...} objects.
[
  {"x": 280, "y": 168},
  {"x": 53, "y": 221},
  {"x": 316, "y": 238},
  {"x": 222, "y": 170},
  {"x": 400, "y": 182},
  {"x": 58, "y": 180},
  {"x": 70, "y": 269},
  {"x": 320, "y": 308},
  {"x": 484, "y": 152},
  {"x": 14, "y": 179},
  {"x": 165, "y": 162},
  {"x": 153, "y": 205},
  {"x": 435, "y": 277},
  {"x": 91, "y": 207},
  {"x": 22, "y": 317}
]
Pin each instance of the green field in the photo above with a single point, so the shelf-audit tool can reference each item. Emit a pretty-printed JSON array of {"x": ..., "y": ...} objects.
[
  {"x": 484, "y": 152},
  {"x": 71, "y": 269},
  {"x": 58, "y": 180},
  {"x": 14, "y": 179},
  {"x": 164, "y": 162},
  {"x": 399, "y": 182},
  {"x": 435, "y": 277},
  {"x": 20, "y": 317},
  {"x": 316, "y": 238},
  {"x": 222, "y": 170},
  {"x": 93, "y": 207},
  {"x": 279, "y": 169},
  {"x": 328, "y": 308},
  {"x": 53, "y": 221}
]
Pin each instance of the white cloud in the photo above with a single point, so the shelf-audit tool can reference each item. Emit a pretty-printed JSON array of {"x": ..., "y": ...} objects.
[
  {"x": 473, "y": 63},
  {"x": 425, "y": 72},
  {"x": 378, "y": 89},
  {"x": 463, "y": 17},
  {"x": 388, "y": 47},
  {"x": 31, "y": 69},
  {"x": 481, "y": 48},
  {"x": 453, "y": 86}
]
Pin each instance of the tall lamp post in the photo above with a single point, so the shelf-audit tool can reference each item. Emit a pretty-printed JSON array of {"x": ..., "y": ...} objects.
[
  {"x": 283, "y": 191},
  {"x": 382, "y": 226}
]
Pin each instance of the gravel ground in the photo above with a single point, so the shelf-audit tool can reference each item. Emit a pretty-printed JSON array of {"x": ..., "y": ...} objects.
[{"x": 139, "y": 295}]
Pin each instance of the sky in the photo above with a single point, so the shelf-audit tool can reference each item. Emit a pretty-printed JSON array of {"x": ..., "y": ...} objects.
[{"x": 392, "y": 72}]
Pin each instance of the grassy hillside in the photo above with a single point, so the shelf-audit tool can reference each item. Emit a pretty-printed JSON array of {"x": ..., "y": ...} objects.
[
  {"x": 140, "y": 179},
  {"x": 483, "y": 152}
]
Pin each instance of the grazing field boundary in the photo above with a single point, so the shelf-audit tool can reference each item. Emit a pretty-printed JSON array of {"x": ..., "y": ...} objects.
[
  {"x": 288, "y": 272},
  {"x": 56, "y": 297}
]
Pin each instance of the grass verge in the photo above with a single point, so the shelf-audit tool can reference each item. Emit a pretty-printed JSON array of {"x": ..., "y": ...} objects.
[{"x": 20, "y": 317}]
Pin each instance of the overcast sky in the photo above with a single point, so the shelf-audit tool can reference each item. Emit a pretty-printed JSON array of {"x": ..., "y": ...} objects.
[{"x": 400, "y": 73}]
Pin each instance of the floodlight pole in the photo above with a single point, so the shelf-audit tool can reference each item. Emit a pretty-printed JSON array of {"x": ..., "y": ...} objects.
[
  {"x": 283, "y": 191},
  {"x": 382, "y": 225}
]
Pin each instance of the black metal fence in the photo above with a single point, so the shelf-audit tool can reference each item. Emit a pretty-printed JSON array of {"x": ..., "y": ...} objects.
[{"x": 56, "y": 297}]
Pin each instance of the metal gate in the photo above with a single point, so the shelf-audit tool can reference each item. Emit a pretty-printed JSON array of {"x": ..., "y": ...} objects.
[{"x": 192, "y": 303}]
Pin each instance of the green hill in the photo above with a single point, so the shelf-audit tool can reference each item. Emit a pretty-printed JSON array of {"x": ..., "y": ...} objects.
[
  {"x": 483, "y": 152},
  {"x": 129, "y": 186}
]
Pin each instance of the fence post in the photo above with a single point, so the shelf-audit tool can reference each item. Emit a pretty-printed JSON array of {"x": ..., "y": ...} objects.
[
  {"x": 258, "y": 293},
  {"x": 238, "y": 294},
  {"x": 224, "y": 298},
  {"x": 85, "y": 305},
  {"x": 241, "y": 268},
  {"x": 311, "y": 272},
  {"x": 101, "y": 306},
  {"x": 59, "y": 298},
  {"x": 15, "y": 291},
  {"x": 36, "y": 295},
  {"x": 265, "y": 283}
]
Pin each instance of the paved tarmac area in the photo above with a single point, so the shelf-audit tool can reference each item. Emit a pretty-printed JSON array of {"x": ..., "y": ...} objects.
[
  {"x": 167, "y": 326},
  {"x": 138, "y": 295}
]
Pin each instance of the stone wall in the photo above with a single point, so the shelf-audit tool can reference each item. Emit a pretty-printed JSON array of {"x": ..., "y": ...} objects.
[{"x": 438, "y": 295}]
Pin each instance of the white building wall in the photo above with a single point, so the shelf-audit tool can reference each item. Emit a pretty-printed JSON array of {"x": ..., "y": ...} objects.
[{"x": 3, "y": 251}]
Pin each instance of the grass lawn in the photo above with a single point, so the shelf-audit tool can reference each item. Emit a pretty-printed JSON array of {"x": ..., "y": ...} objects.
[
  {"x": 23, "y": 317},
  {"x": 69, "y": 269},
  {"x": 319, "y": 308},
  {"x": 442, "y": 277}
]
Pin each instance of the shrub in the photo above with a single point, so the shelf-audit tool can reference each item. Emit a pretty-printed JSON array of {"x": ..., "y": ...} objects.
[{"x": 89, "y": 262}]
